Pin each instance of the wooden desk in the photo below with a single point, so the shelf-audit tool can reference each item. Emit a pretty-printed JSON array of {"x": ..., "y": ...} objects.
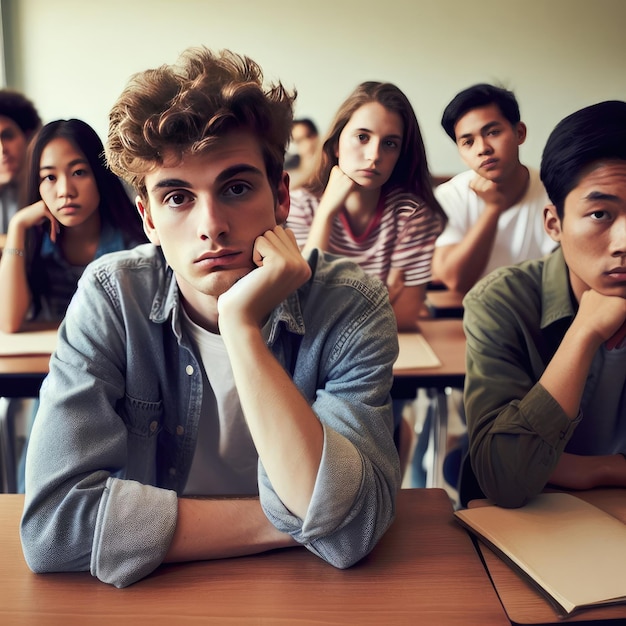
[
  {"x": 21, "y": 376},
  {"x": 425, "y": 570},
  {"x": 445, "y": 336},
  {"x": 447, "y": 339},
  {"x": 521, "y": 600}
]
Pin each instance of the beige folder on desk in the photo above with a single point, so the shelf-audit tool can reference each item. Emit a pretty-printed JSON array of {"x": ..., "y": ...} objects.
[
  {"x": 30, "y": 342},
  {"x": 574, "y": 552},
  {"x": 415, "y": 352}
]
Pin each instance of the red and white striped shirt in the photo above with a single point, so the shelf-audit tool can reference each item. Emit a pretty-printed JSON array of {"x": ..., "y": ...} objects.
[{"x": 402, "y": 235}]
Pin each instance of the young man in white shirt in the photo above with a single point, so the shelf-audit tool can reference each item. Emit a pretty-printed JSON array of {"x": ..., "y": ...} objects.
[{"x": 495, "y": 210}]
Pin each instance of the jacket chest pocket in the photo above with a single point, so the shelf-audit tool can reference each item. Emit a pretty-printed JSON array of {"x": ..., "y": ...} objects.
[{"x": 144, "y": 422}]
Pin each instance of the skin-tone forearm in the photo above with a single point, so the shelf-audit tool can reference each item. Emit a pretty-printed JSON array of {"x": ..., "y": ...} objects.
[
  {"x": 214, "y": 529},
  {"x": 598, "y": 320},
  {"x": 586, "y": 472},
  {"x": 319, "y": 234},
  {"x": 460, "y": 265},
  {"x": 339, "y": 187},
  {"x": 16, "y": 294},
  {"x": 564, "y": 377},
  {"x": 13, "y": 277},
  {"x": 407, "y": 302},
  {"x": 286, "y": 432}
]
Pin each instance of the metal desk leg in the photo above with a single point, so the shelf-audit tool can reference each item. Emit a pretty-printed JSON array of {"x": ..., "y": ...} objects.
[
  {"x": 7, "y": 447},
  {"x": 438, "y": 438}
]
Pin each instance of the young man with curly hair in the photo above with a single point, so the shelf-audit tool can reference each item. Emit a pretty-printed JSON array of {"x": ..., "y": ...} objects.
[{"x": 215, "y": 361}]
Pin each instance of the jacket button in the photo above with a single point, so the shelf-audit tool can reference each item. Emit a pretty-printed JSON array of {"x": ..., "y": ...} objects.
[{"x": 189, "y": 369}]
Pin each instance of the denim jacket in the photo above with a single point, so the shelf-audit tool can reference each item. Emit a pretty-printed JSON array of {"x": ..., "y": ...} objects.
[{"x": 114, "y": 437}]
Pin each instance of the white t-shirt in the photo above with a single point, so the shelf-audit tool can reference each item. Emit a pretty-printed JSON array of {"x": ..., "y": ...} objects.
[
  {"x": 521, "y": 235},
  {"x": 225, "y": 459}
]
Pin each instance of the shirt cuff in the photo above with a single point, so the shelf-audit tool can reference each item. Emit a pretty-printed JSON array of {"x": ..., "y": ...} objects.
[{"x": 547, "y": 418}]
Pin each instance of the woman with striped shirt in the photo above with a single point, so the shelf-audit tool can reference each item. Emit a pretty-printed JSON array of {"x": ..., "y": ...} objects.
[{"x": 371, "y": 196}]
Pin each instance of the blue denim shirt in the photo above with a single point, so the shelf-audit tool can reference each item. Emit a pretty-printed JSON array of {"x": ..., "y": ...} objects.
[
  {"x": 57, "y": 279},
  {"x": 114, "y": 437}
]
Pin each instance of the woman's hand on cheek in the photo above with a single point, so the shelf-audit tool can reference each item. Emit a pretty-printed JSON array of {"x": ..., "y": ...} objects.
[
  {"x": 339, "y": 187},
  {"x": 36, "y": 214}
]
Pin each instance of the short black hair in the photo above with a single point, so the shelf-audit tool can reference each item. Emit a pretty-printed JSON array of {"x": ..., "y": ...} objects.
[
  {"x": 592, "y": 134},
  {"x": 310, "y": 125},
  {"x": 477, "y": 96},
  {"x": 20, "y": 109}
]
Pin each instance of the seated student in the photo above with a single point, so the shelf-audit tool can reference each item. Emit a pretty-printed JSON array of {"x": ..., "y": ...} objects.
[
  {"x": 545, "y": 392},
  {"x": 78, "y": 210},
  {"x": 19, "y": 121},
  {"x": 215, "y": 361},
  {"x": 371, "y": 200},
  {"x": 305, "y": 139},
  {"x": 495, "y": 209},
  {"x": 371, "y": 197}
]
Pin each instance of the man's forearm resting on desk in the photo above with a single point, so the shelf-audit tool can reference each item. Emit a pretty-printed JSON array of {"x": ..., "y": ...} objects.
[
  {"x": 220, "y": 528},
  {"x": 587, "y": 472}
]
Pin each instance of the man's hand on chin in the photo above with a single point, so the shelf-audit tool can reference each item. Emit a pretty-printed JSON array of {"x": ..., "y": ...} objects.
[{"x": 280, "y": 270}]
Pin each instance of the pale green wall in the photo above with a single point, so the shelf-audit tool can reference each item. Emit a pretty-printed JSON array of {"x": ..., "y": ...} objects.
[{"x": 72, "y": 57}]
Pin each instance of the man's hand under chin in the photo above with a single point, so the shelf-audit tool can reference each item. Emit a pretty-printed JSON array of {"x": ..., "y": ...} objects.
[
  {"x": 280, "y": 270},
  {"x": 494, "y": 195}
]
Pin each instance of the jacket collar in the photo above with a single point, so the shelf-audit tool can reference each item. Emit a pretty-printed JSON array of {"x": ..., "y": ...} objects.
[{"x": 557, "y": 301}]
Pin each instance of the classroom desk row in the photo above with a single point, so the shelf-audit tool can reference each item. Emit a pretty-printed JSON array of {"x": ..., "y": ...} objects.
[
  {"x": 425, "y": 570},
  {"x": 22, "y": 375}
]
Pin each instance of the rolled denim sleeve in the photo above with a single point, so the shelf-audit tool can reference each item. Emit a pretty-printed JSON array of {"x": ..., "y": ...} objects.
[
  {"x": 134, "y": 528},
  {"x": 517, "y": 430},
  {"x": 354, "y": 496}
]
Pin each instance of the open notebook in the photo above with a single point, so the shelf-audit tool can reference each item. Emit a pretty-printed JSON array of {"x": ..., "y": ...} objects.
[
  {"x": 415, "y": 352},
  {"x": 35, "y": 342},
  {"x": 572, "y": 551}
]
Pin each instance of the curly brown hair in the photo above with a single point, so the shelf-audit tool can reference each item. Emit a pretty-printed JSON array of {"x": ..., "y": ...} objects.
[{"x": 187, "y": 107}]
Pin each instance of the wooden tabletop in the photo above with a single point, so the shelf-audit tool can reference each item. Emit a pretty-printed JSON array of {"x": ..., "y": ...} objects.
[
  {"x": 21, "y": 376},
  {"x": 425, "y": 570},
  {"x": 524, "y": 604},
  {"x": 447, "y": 339}
]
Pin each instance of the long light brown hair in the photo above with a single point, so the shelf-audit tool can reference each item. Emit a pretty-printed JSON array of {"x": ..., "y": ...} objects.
[{"x": 411, "y": 171}]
